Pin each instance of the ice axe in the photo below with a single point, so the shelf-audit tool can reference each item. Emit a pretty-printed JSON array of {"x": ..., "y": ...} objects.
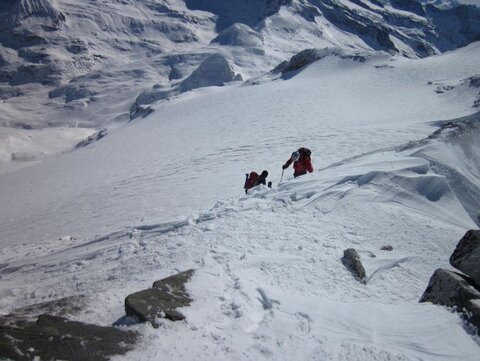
[{"x": 283, "y": 170}]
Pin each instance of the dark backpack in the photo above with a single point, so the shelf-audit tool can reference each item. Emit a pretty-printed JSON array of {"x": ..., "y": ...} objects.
[
  {"x": 305, "y": 152},
  {"x": 250, "y": 181}
]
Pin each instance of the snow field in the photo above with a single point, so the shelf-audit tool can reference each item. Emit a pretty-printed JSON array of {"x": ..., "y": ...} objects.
[
  {"x": 109, "y": 219},
  {"x": 207, "y": 139},
  {"x": 269, "y": 280}
]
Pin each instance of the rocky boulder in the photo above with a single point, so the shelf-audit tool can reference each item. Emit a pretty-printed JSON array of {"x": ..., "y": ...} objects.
[
  {"x": 42, "y": 332},
  {"x": 466, "y": 256},
  {"x": 56, "y": 338},
  {"x": 452, "y": 289},
  {"x": 160, "y": 301},
  {"x": 351, "y": 260}
]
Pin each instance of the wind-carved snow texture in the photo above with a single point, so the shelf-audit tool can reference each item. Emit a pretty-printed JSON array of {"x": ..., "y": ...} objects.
[
  {"x": 269, "y": 280},
  {"x": 144, "y": 165},
  {"x": 457, "y": 158},
  {"x": 109, "y": 218}
]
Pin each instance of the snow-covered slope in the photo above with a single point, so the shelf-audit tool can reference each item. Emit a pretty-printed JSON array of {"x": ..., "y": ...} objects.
[
  {"x": 269, "y": 282},
  {"x": 194, "y": 150},
  {"x": 94, "y": 64},
  {"x": 162, "y": 191}
]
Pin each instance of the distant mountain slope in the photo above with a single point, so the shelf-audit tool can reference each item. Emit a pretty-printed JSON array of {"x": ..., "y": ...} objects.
[{"x": 84, "y": 64}]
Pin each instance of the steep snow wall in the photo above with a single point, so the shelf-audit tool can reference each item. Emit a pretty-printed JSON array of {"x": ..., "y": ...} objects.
[{"x": 456, "y": 156}]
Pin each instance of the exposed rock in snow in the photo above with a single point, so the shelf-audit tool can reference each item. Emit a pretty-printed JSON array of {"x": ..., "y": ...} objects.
[
  {"x": 72, "y": 92},
  {"x": 466, "y": 256},
  {"x": 442, "y": 4},
  {"x": 42, "y": 331},
  {"x": 408, "y": 5},
  {"x": 308, "y": 56},
  {"x": 92, "y": 138},
  {"x": 63, "y": 307},
  {"x": 162, "y": 300},
  {"x": 233, "y": 11},
  {"x": 387, "y": 248},
  {"x": 374, "y": 33},
  {"x": 455, "y": 27},
  {"x": 215, "y": 70},
  {"x": 17, "y": 12},
  {"x": 455, "y": 290},
  {"x": 351, "y": 260},
  {"x": 52, "y": 337},
  {"x": 45, "y": 74},
  {"x": 474, "y": 81}
]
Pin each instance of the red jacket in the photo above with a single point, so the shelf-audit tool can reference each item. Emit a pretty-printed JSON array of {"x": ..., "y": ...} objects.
[{"x": 301, "y": 166}]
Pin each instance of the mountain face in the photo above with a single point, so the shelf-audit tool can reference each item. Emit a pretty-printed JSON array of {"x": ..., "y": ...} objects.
[{"x": 86, "y": 64}]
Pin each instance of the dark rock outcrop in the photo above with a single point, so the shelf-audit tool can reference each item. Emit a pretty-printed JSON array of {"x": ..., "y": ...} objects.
[
  {"x": 93, "y": 138},
  {"x": 452, "y": 289},
  {"x": 71, "y": 92},
  {"x": 374, "y": 34},
  {"x": 409, "y": 5},
  {"x": 351, "y": 260},
  {"x": 56, "y": 338},
  {"x": 309, "y": 56},
  {"x": 63, "y": 307},
  {"x": 232, "y": 11},
  {"x": 455, "y": 27},
  {"x": 41, "y": 331},
  {"x": 387, "y": 248},
  {"x": 466, "y": 256},
  {"x": 160, "y": 301}
]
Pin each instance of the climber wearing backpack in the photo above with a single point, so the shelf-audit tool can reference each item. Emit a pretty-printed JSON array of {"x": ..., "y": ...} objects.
[
  {"x": 253, "y": 180},
  {"x": 301, "y": 162}
]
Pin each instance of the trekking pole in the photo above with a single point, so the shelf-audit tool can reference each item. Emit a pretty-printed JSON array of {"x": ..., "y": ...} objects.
[{"x": 283, "y": 170}]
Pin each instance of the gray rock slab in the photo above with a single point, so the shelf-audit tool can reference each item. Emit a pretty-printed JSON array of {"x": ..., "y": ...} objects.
[
  {"x": 162, "y": 300},
  {"x": 351, "y": 260},
  {"x": 466, "y": 256},
  {"x": 63, "y": 307},
  {"x": 452, "y": 289},
  {"x": 473, "y": 308},
  {"x": 56, "y": 338},
  {"x": 175, "y": 285}
]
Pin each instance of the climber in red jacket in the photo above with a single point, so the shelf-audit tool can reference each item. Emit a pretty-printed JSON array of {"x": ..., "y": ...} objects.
[{"x": 301, "y": 162}]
